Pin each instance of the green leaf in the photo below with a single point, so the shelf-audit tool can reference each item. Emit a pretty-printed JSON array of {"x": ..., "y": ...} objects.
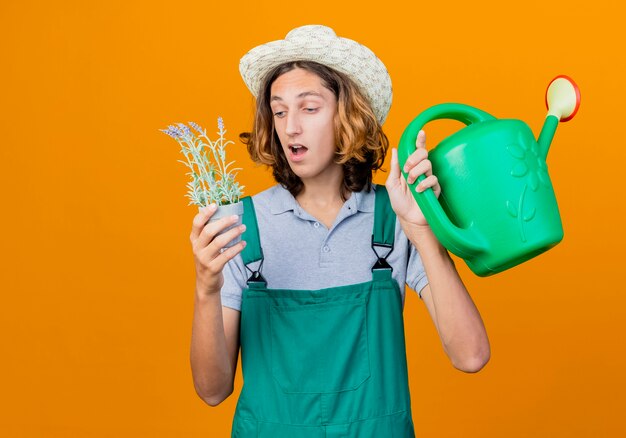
[
  {"x": 511, "y": 208},
  {"x": 530, "y": 215}
]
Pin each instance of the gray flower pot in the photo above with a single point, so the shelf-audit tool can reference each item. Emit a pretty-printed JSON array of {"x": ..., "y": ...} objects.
[{"x": 229, "y": 210}]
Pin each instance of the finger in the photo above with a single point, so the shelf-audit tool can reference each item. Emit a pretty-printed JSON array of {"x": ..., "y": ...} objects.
[
  {"x": 420, "y": 143},
  {"x": 212, "y": 229},
  {"x": 417, "y": 156},
  {"x": 223, "y": 239},
  {"x": 229, "y": 253},
  {"x": 218, "y": 245},
  {"x": 394, "y": 167},
  {"x": 424, "y": 167},
  {"x": 394, "y": 171},
  {"x": 200, "y": 220},
  {"x": 429, "y": 182}
]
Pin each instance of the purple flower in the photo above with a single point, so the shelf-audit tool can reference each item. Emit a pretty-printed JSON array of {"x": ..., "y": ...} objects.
[
  {"x": 171, "y": 132},
  {"x": 196, "y": 127},
  {"x": 184, "y": 129},
  {"x": 220, "y": 124},
  {"x": 177, "y": 130}
]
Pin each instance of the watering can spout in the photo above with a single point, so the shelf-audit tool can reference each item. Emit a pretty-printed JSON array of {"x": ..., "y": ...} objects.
[
  {"x": 562, "y": 100},
  {"x": 547, "y": 134}
]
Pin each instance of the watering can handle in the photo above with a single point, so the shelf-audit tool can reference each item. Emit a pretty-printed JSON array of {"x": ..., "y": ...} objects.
[{"x": 460, "y": 241}]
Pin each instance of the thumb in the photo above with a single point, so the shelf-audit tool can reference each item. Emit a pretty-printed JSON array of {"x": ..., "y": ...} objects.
[{"x": 394, "y": 168}]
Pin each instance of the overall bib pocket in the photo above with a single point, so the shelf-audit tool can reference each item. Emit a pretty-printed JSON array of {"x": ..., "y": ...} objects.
[{"x": 320, "y": 348}]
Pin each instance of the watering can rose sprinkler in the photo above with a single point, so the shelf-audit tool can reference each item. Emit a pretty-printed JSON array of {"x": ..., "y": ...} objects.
[{"x": 497, "y": 207}]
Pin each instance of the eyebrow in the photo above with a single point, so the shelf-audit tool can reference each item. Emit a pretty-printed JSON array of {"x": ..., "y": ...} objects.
[{"x": 299, "y": 96}]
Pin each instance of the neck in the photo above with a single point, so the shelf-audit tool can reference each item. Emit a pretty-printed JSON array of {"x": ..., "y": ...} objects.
[{"x": 322, "y": 191}]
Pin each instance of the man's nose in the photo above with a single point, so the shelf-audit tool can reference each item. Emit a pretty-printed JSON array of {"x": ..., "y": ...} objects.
[{"x": 293, "y": 124}]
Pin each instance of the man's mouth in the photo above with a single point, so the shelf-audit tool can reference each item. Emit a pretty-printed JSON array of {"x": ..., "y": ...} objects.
[{"x": 297, "y": 149}]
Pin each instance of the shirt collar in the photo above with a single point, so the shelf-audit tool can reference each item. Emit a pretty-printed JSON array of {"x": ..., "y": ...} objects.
[{"x": 282, "y": 200}]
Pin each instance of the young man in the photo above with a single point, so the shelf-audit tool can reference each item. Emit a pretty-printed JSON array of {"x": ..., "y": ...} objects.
[{"x": 314, "y": 293}]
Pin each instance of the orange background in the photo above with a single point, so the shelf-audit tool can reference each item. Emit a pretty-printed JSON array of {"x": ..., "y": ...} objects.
[{"x": 98, "y": 273}]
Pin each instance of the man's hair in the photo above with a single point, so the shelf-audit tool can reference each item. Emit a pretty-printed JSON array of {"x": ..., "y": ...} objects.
[{"x": 360, "y": 143}]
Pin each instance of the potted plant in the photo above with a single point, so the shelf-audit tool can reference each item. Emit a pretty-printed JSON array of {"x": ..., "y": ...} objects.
[{"x": 212, "y": 179}]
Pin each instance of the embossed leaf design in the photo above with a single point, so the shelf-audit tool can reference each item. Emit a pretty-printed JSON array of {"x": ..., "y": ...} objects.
[
  {"x": 519, "y": 169},
  {"x": 534, "y": 148},
  {"x": 533, "y": 180},
  {"x": 511, "y": 208},
  {"x": 530, "y": 215},
  {"x": 516, "y": 151}
]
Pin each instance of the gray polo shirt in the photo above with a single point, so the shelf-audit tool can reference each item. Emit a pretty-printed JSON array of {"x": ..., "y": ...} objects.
[{"x": 301, "y": 253}]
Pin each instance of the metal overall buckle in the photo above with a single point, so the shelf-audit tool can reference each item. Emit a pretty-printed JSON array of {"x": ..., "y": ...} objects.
[
  {"x": 256, "y": 277},
  {"x": 381, "y": 262}
]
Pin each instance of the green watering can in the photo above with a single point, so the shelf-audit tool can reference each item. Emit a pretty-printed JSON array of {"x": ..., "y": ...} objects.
[{"x": 497, "y": 207}]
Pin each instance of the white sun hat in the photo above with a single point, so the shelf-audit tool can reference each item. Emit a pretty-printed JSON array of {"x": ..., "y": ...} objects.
[{"x": 321, "y": 44}]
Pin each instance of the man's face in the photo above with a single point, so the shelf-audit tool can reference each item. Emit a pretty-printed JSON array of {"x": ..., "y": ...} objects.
[{"x": 304, "y": 111}]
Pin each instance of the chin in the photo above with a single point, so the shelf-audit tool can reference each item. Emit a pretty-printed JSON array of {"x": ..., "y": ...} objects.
[{"x": 300, "y": 172}]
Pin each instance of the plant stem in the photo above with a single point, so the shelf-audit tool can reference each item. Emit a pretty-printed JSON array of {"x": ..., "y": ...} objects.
[
  {"x": 202, "y": 170},
  {"x": 191, "y": 162}
]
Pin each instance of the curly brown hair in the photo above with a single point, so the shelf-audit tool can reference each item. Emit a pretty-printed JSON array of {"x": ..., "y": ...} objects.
[{"x": 361, "y": 144}]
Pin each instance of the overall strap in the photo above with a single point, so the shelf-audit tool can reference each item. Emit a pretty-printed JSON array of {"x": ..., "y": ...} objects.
[
  {"x": 384, "y": 228},
  {"x": 252, "y": 252}
]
